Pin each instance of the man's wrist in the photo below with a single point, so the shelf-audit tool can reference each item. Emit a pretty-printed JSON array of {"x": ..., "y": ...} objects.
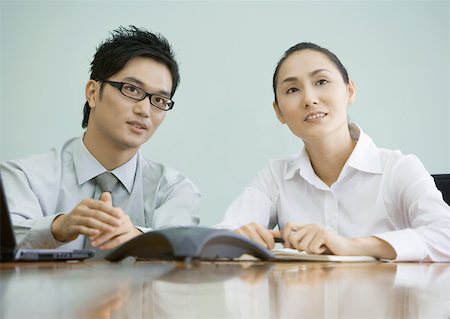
[{"x": 54, "y": 227}]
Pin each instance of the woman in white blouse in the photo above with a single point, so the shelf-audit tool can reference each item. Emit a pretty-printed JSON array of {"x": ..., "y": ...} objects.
[{"x": 341, "y": 195}]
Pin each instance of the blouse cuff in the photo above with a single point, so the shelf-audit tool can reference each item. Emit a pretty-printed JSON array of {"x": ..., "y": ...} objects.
[{"x": 406, "y": 245}]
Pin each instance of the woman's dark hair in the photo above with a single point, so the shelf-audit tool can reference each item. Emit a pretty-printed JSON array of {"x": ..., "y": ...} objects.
[
  {"x": 308, "y": 46},
  {"x": 124, "y": 45}
]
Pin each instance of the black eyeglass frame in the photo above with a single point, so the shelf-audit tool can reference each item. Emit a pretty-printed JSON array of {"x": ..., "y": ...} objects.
[{"x": 119, "y": 86}]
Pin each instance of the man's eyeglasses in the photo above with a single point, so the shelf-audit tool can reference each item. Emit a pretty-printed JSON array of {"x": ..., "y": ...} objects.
[{"x": 138, "y": 94}]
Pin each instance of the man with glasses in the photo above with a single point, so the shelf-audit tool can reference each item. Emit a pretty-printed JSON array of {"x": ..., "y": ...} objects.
[{"x": 97, "y": 189}]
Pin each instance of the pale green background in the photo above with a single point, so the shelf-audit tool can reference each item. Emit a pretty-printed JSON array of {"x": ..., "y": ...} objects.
[{"x": 222, "y": 129}]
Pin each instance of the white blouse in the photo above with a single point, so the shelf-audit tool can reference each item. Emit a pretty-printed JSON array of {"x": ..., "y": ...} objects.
[{"x": 379, "y": 192}]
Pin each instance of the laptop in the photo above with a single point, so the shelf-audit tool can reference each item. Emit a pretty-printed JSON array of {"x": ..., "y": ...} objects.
[{"x": 9, "y": 251}]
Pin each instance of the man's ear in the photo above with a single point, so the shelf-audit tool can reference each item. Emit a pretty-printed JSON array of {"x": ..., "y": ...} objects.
[
  {"x": 278, "y": 112},
  {"x": 351, "y": 92},
  {"x": 91, "y": 93}
]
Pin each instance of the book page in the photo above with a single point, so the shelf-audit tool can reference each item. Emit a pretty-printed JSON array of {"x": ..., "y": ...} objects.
[{"x": 293, "y": 254}]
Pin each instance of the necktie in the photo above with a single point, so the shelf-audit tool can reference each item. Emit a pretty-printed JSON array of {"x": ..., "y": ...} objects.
[{"x": 106, "y": 181}]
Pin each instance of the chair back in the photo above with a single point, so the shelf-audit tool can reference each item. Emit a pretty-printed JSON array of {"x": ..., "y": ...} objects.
[{"x": 443, "y": 184}]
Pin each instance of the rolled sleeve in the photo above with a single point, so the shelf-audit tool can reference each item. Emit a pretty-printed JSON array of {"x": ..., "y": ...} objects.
[{"x": 39, "y": 235}]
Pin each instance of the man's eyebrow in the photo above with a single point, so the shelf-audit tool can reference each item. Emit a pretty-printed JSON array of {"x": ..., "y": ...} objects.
[
  {"x": 134, "y": 80},
  {"x": 142, "y": 84},
  {"x": 295, "y": 79}
]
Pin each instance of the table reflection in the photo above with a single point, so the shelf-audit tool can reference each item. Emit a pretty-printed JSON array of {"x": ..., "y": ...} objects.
[
  {"x": 69, "y": 290},
  {"x": 225, "y": 290},
  {"x": 194, "y": 290},
  {"x": 333, "y": 290}
]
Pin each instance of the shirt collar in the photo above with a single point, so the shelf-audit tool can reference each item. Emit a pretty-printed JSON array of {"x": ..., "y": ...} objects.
[
  {"x": 87, "y": 167},
  {"x": 301, "y": 164},
  {"x": 365, "y": 157}
]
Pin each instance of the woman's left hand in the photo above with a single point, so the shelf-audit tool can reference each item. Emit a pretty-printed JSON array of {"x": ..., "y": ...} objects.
[{"x": 315, "y": 239}]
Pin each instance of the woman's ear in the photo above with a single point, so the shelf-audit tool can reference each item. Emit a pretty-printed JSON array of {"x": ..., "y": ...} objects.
[
  {"x": 278, "y": 112},
  {"x": 90, "y": 91},
  {"x": 351, "y": 92}
]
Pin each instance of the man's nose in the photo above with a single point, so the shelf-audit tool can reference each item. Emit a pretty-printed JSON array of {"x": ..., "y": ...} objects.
[{"x": 143, "y": 107}]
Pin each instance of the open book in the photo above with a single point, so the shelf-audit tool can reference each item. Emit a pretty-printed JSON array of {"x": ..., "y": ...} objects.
[{"x": 293, "y": 254}]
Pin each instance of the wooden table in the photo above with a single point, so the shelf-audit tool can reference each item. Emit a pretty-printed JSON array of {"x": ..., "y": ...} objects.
[{"x": 224, "y": 290}]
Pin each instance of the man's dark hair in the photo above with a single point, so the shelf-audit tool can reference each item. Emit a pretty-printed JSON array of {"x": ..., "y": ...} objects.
[
  {"x": 310, "y": 46},
  {"x": 125, "y": 44}
]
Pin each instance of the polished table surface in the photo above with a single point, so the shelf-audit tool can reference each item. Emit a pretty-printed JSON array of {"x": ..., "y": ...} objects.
[{"x": 164, "y": 289}]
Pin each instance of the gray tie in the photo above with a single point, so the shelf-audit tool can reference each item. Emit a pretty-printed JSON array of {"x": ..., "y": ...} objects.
[{"x": 106, "y": 181}]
